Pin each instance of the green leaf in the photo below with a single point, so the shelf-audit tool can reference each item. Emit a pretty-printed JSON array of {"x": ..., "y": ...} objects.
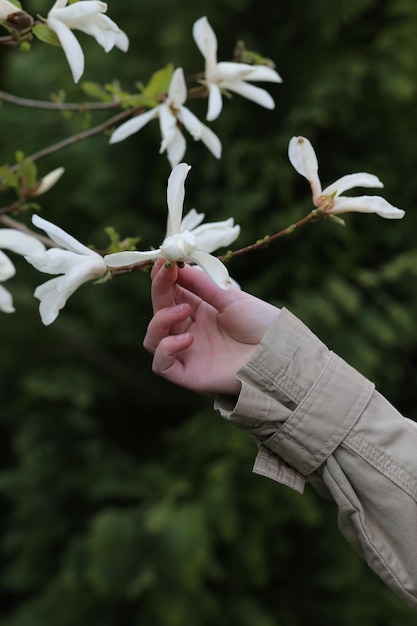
[
  {"x": 96, "y": 91},
  {"x": 45, "y": 34},
  {"x": 159, "y": 83},
  {"x": 117, "y": 244},
  {"x": 8, "y": 178},
  {"x": 27, "y": 172}
]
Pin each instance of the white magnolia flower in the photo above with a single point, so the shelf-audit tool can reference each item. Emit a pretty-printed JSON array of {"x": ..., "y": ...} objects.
[
  {"x": 20, "y": 243},
  {"x": 304, "y": 160},
  {"x": 230, "y": 76},
  {"x": 75, "y": 263},
  {"x": 186, "y": 240},
  {"x": 6, "y": 9},
  {"x": 170, "y": 112},
  {"x": 86, "y": 16}
]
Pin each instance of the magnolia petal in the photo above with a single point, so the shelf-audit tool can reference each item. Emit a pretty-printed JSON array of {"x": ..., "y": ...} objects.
[
  {"x": 227, "y": 71},
  {"x": 191, "y": 123},
  {"x": 215, "y": 102},
  {"x": 133, "y": 125},
  {"x": 191, "y": 220},
  {"x": 176, "y": 148},
  {"x": 367, "y": 204},
  {"x": 264, "y": 73},
  {"x": 21, "y": 243},
  {"x": 303, "y": 159},
  {"x": 6, "y": 8},
  {"x": 54, "y": 293},
  {"x": 51, "y": 301},
  {"x": 361, "y": 179},
  {"x": 200, "y": 131},
  {"x": 77, "y": 10},
  {"x": 53, "y": 261},
  {"x": 175, "y": 198},
  {"x": 71, "y": 47},
  {"x": 251, "y": 92},
  {"x": 122, "y": 41},
  {"x": 206, "y": 40},
  {"x": 81, "y": 272},
  {"x": 62, "y": 238},
  {"x": 97, "y": 28},
  {"x": 216, "y": 235},
  {"x": 211, "y": 141},
  {"x": 7, "y": 269},
  {"x": 130, "y": 257},
  {"x": 6, "y": 301},
  {"x": 104, "y": 30},
  {"x": 169, "y": 127},
  {"x": 177, "y": 92},
  {"x": 213, "y": 267},
  {"x": 57, "y": 261}
]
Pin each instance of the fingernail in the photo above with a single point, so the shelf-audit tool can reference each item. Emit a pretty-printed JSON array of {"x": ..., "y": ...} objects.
[{"x": 182, "y": 338}]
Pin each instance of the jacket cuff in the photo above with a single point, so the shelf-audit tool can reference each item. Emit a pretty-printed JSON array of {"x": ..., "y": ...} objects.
[{"x": 298, "y": 399}]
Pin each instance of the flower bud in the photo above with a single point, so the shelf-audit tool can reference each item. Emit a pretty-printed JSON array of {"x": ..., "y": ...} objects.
[
  {"x": 47, "y": 182},
  {"x": 20, "y": 20},
  {"x": 179, "y": 247}
]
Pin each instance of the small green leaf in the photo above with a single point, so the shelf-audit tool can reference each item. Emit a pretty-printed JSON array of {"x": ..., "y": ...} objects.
[
  {"x": 8, "y": 178},
  {"x": 251, "y": 57},
  {"x": 30, "y": 206},
  {"x": 117, "y": 244},
  {"x": 159, "y": 82},
  {"x": 27, "y": 172},
  {"x": 96, "y": 91},
  {"x": 45, "y": 34},
  {"x": 19, "y": 156},
  {"x": 128, "y": 100}
]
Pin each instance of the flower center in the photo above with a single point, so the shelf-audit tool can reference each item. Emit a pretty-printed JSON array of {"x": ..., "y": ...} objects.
[
  {"x": 325, "y": 202},
  {"x": 179, "y": 247}
]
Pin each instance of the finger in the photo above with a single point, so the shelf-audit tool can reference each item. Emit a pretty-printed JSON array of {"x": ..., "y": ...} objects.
[
  {"x": 166, "y": 362},
  {"x": 200, "y": 284},
  {"x": 162, "y": 323},
  {"x": 163, "y": 286},
  {"x": 156, "y": 267}
]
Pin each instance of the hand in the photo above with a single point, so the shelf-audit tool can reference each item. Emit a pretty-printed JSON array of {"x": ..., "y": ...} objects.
[{"x": 200, "y": 334}]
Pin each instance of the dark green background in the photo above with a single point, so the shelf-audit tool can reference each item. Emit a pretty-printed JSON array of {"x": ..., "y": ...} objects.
[{"x": 126, "y": 501}]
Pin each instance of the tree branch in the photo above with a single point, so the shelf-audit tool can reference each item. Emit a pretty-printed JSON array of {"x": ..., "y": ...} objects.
[{"x": 58, "y": 106}]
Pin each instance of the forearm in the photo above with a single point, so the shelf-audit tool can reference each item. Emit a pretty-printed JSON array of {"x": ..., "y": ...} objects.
[{"x": 317, "y": 419}]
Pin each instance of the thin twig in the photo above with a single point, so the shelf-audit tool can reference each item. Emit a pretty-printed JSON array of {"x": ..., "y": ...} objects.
[
  {"x": 101, "y": 128},
  {"x": 262, "y": 243},
  {"x": 58, "y": 106}
]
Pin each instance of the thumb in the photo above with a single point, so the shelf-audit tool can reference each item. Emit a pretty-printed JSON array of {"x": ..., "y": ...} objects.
[{"x": 197, "y": 282}]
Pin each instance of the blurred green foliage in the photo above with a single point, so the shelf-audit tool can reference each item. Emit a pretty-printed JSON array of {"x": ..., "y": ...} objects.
[{"x": 126, "y": 500}]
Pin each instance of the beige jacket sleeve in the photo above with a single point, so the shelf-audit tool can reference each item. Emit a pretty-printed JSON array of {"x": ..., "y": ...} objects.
[{"x": 316, "y": 419}]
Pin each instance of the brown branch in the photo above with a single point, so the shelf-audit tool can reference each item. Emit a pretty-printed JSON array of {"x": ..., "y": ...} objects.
[
  {"x": 101, "y": 128},
  {"x": 58, "y": 106},
  {"x": 262, "y": 243}
]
